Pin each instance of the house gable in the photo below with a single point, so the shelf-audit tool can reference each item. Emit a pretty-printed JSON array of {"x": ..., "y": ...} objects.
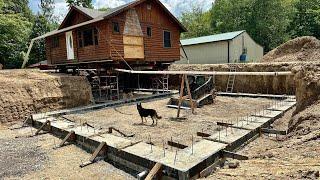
[{"x": 74, "y": 16}]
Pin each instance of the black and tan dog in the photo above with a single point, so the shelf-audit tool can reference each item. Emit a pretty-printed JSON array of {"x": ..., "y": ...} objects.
[{"x": 144, "y": 113}]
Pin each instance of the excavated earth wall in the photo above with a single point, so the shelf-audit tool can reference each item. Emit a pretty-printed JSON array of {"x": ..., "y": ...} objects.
[
  {"x": 247, "y": 84},
  {"x": 24, "y": 92}
]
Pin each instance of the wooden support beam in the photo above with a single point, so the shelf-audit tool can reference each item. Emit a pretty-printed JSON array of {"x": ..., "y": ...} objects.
[
  {"x": 201, "y": 134},
  {"x": 154, "y": 171},
  {"x": 233, "y": 155},
  {"x": 42, "y": 127},
  {"x": 273, "y": 131},
  {"x": 177, "y": 145},
  {"x": 117, "y": 130},
  {"x": 185, "y": 82},
  {"x": 102, "y": 147},
  {"x": 224, "y": 124},
  {"x": 70, "y": 136}
]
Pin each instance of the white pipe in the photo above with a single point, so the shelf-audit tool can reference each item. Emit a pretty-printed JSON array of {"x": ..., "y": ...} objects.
[{"x": 208, "y": 73}]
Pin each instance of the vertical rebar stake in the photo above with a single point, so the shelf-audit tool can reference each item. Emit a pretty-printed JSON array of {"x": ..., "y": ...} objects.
[
  {"x": 164, "y": 150},
  {"x": 192, "y": 144},
  {"x": 175, "y": 156}
]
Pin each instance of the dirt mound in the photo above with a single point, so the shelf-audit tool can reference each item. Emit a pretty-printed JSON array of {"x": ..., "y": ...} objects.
[
  {"x": 24, "y": 92},
  {"x": 306, "y": 119},
  {"x": 305, "y": 48}
]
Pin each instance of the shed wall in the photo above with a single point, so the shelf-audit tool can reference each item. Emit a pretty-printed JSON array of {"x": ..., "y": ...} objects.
[
  {"x": 254, "y": 50},
  {"x": 208, "y": 53}
]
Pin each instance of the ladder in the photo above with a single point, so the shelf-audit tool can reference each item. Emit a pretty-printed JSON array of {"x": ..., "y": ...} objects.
[{"x": 231, "y": 79}]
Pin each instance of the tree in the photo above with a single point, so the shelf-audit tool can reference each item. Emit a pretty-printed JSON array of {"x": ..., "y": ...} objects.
[
  {"x": 15, "y": 28},
  {"x": 46, "y": 8},
  {"x": 306, "y": 19},
  {"x": 40, "y": 27},
  {"x": 265, "y": 21},
  {"x": 83, "y": 3},
  {"x": 197, "y": 22}
]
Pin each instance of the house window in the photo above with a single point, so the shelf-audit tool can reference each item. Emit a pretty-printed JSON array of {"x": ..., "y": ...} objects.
[
  {"x": 55, "y": 41},
  {"x": 88, "y": 37},
  {"x": 115, "y": 27},
  {"x": 167, "y": 39},
  {"x": 149, "y": 31},
  {"x": 149, "y": 6}
]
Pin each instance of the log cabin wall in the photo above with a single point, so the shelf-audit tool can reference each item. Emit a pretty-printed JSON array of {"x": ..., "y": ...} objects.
[{"x": 111, "y": 45}]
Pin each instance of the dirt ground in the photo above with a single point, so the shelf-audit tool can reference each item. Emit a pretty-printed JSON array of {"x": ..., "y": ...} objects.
[
  {"x": 35, "y": 158},
  {"x": 272, "y": 158},
  {"x": 127, "y": 119}
]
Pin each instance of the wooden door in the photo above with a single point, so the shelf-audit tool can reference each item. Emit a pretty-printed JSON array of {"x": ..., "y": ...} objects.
[{"x": 69, "y": 45}]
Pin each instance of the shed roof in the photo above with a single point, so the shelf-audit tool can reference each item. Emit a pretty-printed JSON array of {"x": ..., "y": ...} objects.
[{"x": 212, "y": 38}]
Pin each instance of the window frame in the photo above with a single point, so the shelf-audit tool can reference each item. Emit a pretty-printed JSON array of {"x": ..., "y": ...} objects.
[
  {"x": 94, "y": 37},
  {"x": 164, "y": 44},
  {"x": 113, "y": 29}
]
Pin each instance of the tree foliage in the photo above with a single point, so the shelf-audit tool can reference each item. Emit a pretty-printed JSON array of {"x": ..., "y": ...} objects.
[
  {"x": 197, "y": 22},
  {"x": 306, "y": 18},
  {"x": 269, "y": 22},
  {"x": 15, "y": 28},
  {"x": 83, "y": 3}
]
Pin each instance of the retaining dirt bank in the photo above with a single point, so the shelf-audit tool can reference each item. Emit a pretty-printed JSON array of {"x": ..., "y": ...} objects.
[{"x": 24, "y": 92}]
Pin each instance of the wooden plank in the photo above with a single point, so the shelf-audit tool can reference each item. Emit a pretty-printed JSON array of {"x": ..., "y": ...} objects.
[
  {"x": 233, "y": 155},
  {"x": 177, "y": 145},
  {"x": 70, "y": 135},
  {"x": 154, "y": 171},
  {"x": 100, "y": 148},
  {"x": 273, "y": 131},
  {"x": 224, "y": 124},
  {"x": 181, "y": 95},
  {"x": 201, "y": 134},
  {"x": 117, "y": 130},
  {"x": 41, "y": 127},
  {"x": 189, "y": 93}
]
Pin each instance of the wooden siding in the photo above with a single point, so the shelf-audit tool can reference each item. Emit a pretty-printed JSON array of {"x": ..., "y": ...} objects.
[{"x": 111, "y": 44}]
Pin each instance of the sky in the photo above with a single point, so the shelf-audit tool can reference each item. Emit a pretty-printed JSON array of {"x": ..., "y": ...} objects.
[{"x": 175, "y": 6}]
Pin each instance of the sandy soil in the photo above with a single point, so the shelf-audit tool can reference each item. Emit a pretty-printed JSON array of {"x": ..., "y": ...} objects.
[
  {"x": 127, "y": 119},
  {"x": 38, "y": 159}
]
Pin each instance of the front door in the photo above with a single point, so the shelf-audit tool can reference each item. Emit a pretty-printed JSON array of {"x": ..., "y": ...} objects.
[{"x": 69, "y": 43}]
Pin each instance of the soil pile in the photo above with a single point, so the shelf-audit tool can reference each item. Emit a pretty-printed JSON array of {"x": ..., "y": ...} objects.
[
  {"x": 24, "y": 92},
  {"x": 306, "y": 119},
  {"x": 305, "y": 48}
]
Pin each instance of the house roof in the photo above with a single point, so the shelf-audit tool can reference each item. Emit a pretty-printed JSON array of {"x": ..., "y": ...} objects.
[
  {"x": 212, "y": 38},
  {"x": 97, "y": 15},
  {"x": 93, "y": 13}
]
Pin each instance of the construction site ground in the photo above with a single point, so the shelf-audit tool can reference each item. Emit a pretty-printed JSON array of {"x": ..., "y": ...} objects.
[
  {"x": 272, "y": 157},
  {"x": 127, "y": 119}
]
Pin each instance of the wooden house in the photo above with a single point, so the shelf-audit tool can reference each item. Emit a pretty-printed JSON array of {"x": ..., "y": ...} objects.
[{"x": 142, "y": 32}]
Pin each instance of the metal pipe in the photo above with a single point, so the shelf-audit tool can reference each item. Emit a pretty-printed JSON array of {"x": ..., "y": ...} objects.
[{"x": 207, "y": 73}]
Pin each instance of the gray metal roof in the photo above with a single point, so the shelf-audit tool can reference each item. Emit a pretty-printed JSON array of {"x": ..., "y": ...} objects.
[
  {"x": 212, "y": 38},
  {"x": 93, "y": 13}
]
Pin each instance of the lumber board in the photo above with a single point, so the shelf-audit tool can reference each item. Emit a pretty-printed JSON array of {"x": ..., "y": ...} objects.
[
  {"x": 273, "y": 131},
  {"x": 233, "y": 155},
  {"x": 177, "y": 145},
  {"x": 42, "y": 126},
  {"x": 70, "y": 135},
  {"x": 154, "y": 171},
  {"x": 202, "y": 134}
]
